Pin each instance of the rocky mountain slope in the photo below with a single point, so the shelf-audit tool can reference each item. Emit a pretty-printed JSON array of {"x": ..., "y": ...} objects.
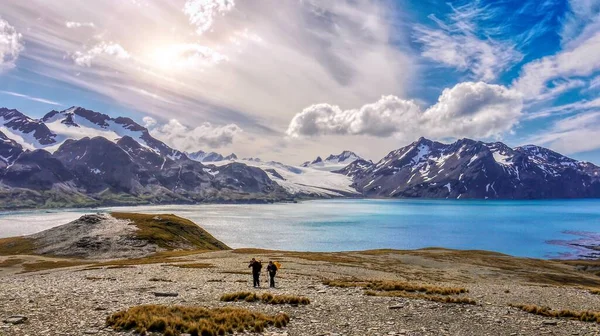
[
  {"x": 476, "y": 170},
  {"x": 57, "y": 161}
]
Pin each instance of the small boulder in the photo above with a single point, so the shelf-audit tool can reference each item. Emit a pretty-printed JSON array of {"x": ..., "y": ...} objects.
[
  {"x": 165, "y": 294},
  {"x": 16, "y": 319}
]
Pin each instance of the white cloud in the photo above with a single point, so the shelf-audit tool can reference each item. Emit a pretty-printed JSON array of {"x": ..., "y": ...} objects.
[
  {"x": 10, "y": 45},
  {"x": 182, "y": 137},
  {"x": 40, "y": 100},
  {"x": 279, "y": 59},
  {"x": 572, "y": 135},
  {"x": 582, "y": 19},
  {"x": 457, "y": 44},
  {"x": 583, "y": 60},
  {"x": 85, "y": 58},
  {"x": 202, "y": 13},
  {"x": 73, "y": 24},
  {"x": 468, "y": 109}
]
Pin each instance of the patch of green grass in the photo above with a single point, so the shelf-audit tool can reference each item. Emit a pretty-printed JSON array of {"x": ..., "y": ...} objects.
[
  {"x": 196, "y": 321},
  {"x": 585, "y": 316},
  {"x": 265, "y": 298},
  {"x": 171, "y": 232}
]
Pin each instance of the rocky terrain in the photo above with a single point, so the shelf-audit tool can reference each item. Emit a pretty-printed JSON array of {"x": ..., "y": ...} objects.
[{"x": 44, "y": 295}]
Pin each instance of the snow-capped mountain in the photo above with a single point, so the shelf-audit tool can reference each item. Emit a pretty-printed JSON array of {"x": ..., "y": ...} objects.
[
  {"x": 473, "y": 169},
  {"x": 202, "y": 156},
  {"x": 333, "y": 162},
  {"x": 303, "y": 181}
]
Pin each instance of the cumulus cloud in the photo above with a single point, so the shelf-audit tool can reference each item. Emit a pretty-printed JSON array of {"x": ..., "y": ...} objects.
[
  {"x": 85, "y": 58},
  {"x": 456, "y": 44},
  {"x": 186, "y": 138},
  {"x": 73, "y": 24},
  {"x": 472, "y": 109},
  {"x": 10, "y": 45},
  {"x": 202, "y": 13}
]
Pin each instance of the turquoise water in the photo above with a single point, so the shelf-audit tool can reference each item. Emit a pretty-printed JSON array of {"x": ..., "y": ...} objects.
[{"x": 522, "y": 228}]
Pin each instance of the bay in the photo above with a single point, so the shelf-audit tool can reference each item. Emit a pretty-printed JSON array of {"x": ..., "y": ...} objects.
[{"x": 541, "y": 229}]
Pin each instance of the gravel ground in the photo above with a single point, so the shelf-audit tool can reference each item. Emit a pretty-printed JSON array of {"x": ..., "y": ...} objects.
[{"x": 76, "y": 301}]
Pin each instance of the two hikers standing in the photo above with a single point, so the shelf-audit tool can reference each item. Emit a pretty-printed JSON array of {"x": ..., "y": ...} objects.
[{"x": 257, "y": 267}]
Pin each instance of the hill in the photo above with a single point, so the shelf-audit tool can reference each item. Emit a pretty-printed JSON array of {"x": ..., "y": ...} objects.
[{"x": 115, "y": 235}]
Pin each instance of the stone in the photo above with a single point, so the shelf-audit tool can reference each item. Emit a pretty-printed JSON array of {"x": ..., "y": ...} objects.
[
  {"x": 396, "y": 307},
  {"x": 15, "y": 319},
  {"x": 165, "y": 294},
  {"x": 550, "y": 323}
]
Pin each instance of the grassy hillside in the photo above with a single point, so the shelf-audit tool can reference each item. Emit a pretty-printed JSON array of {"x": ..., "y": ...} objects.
[{"x": 171, "y": 232}]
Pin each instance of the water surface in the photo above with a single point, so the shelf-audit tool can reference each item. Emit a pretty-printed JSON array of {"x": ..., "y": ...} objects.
[{"x": 522, "y": 228}]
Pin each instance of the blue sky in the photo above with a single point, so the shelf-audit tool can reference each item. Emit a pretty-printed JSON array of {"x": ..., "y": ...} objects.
[{"x": 293, "y": 79}]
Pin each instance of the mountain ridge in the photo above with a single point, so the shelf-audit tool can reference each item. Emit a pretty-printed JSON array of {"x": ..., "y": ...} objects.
[{"x": 79, "y": 157}]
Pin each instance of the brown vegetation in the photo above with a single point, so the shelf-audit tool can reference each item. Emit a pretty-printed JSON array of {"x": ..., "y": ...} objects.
[
  {"x": 48, "y": 264},
  {"x": 171, "y": 232},
  {"x": 419, "y": 296},
  {"x": 192, "y": 265},
  {"x": 585, "y": 316},
  {"x": 265, "y": 298},
  {"x": 396, "y": 286},
  {"x": 16, "y": 246},
  {"x": 174, "y": 320}
]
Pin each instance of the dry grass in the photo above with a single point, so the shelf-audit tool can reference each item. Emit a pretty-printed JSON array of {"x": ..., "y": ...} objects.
[
  {"x": 419, "y": 296},
  {"x": 265, "y": 298},
  {"x": 595, "y": 291},
  {"x": 394, "y": 286},
  {"x": 94, "y": 278},
  {"x": 174, "y": 320},
  {"x": 47, "y": 265},
  {"x": 585, "y": 316},
  {"x": 159, "y": 280},
  {"x": 236, "y": 272},
  {"x": 10, "y": 262},
  {"x": 192, "y": 265},
  {"x": 16, "y": 246},
  {"x": 171, "y": 232}
]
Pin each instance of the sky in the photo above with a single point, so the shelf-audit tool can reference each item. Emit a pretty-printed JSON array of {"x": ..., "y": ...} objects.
[{"x": 289, "y": 80}]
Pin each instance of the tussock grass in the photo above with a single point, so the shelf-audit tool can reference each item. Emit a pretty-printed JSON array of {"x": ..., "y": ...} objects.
[
  {"x": 396, "y": 286},
  {"x": 390, "y": 286},
  {"x": 419, "y": 296},
  {"x": 192, "y": 265},
  {"x": 595, "y": 291},
  {"x": 174, "y": 320},
  {"x": 47, "y": 265},
  {"x": 159, "y": 280},
  {"x": 171, "y": 232},
  {"x": 16, "y": 246},
  {"x": 10, "y": 262},
  {"x": 265, "y": 298},
  {"x": 585, "y": 316}
]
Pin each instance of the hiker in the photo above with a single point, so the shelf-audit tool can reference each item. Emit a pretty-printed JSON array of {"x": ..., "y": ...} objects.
[
  {"x": 256, "y": 267},
  {"x": 272, "y": 270}
]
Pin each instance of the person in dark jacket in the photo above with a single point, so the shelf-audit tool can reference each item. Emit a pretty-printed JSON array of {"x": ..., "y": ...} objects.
[
  {"x": 256, "y": 267},
  {"x": 272, "y": 270}
]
